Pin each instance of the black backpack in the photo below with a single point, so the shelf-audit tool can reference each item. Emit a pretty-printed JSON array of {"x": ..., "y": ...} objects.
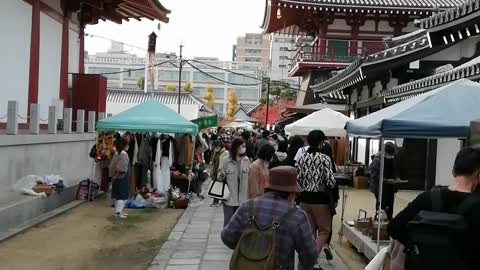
[{"x": 437, "y": 240}]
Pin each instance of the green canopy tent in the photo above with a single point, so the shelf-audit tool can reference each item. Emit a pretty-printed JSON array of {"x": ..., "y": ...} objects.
[{"x": 150, "y": 116}]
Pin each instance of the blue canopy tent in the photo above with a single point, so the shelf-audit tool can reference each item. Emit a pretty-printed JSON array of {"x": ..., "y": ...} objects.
[
  {"x": 150, "y": 116},
  {"x": 445, "y": 112}
]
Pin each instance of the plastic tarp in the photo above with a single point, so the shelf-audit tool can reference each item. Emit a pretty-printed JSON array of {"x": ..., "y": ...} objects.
[
  {"x": 445, "y": 112},
  {"x": 331, "y": 122},
  {"x": 150, "y": 116}
]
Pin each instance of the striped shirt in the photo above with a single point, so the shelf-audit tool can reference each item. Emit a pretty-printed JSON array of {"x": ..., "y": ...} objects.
[{"x": 294, "y": 234}]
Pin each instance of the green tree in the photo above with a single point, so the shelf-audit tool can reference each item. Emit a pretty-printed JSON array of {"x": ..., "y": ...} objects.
[
  {"x": 141, "y": 83},
  {"x": 278, "y": 91}
]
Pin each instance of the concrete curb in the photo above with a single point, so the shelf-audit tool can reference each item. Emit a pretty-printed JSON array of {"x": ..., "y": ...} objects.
[{"x": 42, "y": 218}]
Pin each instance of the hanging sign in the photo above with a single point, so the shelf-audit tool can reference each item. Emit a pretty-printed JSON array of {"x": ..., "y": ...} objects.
[{"x": 206, "y": 122}]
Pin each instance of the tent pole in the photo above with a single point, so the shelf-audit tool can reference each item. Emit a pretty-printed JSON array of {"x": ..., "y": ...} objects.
[
  {"x": 380, "y": 190},
  {"x": 344, "y": 193},
  {"x": 192, "y": 159},
  {"x": 427, "y": 167}
]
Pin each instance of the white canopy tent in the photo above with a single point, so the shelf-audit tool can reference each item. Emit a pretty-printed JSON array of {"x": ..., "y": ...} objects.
[
  {"x": 239, "y": 124},
  {"x": 331, "y": 122}
]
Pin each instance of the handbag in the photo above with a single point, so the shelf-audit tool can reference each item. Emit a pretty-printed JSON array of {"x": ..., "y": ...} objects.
[{"x": 218, "y": 190}]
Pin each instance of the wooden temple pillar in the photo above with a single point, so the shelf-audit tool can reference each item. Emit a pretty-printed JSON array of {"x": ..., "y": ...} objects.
[
  {"x": 398, "y": 23},
  {"x": 354, "y": 21}
]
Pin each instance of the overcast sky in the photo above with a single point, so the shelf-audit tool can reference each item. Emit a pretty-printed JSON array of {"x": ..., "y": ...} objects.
[{"x": 206, "y": 28}]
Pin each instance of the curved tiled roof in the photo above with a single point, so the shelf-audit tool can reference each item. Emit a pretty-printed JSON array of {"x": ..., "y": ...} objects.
[
  {"x": 354, "y": 73},
  {"x": 411, "y": 8},
  {"x": 138, "y": 96},
  {"x": 388, "y": 4},
  {"x": 414, "y": 88},
  {"x": 336, "y": 95},
  {"x": 343, "y": 78},
  {"x": 465, "y": 8}
]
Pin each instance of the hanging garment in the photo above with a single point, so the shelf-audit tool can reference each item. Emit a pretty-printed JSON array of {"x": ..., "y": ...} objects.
[
  {"x": 157, "y": 181},
  {"x": 165, "y": 173},
  {"x": 188, "y": 152},
  {"x": 170, "y": 156},
  {"x": 135, "y": 152},
  {"x": 145, "y": 152}
]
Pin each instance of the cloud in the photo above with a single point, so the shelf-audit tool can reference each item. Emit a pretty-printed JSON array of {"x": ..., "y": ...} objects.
[{"x": 205, "y": 28}]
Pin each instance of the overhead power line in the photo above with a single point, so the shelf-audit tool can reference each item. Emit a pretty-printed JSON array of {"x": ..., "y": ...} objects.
[
  {"x": 134, "y": 69},
  {"x": 109, "y": 39},
  {"x": 224, "y": 69},
  {"x": 218, "y": 79}
]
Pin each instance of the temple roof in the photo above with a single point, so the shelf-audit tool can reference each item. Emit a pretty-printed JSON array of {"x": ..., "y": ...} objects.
[
  {"x": 117, "y": 11},
  {"x": 356, "y": 71},
  {"x": 389, "y": 4},
  {"x": 124, "y": 95},
  {"x": 409, "y": 47},
  {"x": 283, "y": 15},
  {"x": 415, "y": 88},
  {"x": 464, "y": 9}
]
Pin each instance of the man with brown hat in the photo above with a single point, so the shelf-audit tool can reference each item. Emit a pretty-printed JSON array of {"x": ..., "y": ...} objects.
[{"x": 293, "y": 233}]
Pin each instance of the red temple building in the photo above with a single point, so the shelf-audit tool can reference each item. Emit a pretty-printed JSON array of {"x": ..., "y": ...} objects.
[
  {"x": 43, "y": 41},
  {"x": 332, "y": 33},
  {"x": 419, "y": 46}
]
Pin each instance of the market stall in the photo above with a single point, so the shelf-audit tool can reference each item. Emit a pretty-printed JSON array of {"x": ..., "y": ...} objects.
[
  {"x": 147, "y": 120},
  {"x": 239, "y": 124},
  {"x": 445, "y": 112},
  {"x": 331, "y": 122}
]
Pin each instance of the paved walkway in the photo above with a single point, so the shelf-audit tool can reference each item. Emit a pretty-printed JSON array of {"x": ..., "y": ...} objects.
[{"x": 195, "y": 244}]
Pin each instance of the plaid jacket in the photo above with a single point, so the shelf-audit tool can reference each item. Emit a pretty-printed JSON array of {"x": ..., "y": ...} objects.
[{"x": 294, "y": 234}]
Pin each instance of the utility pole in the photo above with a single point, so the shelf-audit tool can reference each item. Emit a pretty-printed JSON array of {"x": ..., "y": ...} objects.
[
  {"x": 152, "y": 43},
  {"x": 180, "y": 79},
  {"x": 268, "y": 100}
]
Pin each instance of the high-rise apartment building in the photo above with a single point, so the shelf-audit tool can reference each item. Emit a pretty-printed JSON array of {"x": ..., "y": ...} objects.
[
  {"x": 282, "y": 51},
  {"x": 253, "y": 48}
]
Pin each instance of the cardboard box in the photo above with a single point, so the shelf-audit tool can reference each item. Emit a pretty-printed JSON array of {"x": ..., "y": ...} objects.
[
  {"x": 363, "y": 226},
  {"x": 383, "y": 231},
  {"x": 360, "y": 182},
  {"x": 39, "y": 188}
]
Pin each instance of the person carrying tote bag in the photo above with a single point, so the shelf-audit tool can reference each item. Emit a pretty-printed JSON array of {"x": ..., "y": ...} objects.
[
  {"x": 220, "y": 153},
  {"x": 234, "y": 171}
]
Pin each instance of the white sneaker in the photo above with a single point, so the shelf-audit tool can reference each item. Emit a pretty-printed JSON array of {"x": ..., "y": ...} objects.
[{"x": 121, "y": 215}]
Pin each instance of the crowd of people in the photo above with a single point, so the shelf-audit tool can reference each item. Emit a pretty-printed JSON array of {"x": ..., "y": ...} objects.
[
  {"x": 277, "y": 174},
  {"x": 289, "y": 184}
]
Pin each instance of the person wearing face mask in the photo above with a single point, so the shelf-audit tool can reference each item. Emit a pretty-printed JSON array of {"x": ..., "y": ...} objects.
[
  {"x": 390, "y": 172},
  {"x": 258, "y": 176},
  {"x": 234, "y": 171},
  {"x": 219, "y": 155}
]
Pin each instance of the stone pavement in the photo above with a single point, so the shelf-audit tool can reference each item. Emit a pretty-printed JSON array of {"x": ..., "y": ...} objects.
[{"x": 195, "y": 244}]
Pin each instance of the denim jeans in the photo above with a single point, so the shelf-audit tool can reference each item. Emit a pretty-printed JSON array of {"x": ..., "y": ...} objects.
[{"x": 228, "y": 212}]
